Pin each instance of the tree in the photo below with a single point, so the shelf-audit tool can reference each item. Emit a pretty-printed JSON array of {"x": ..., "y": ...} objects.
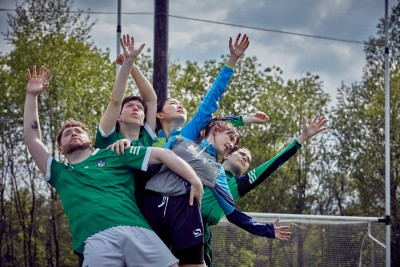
[
  {"x": 45, "y": 33},
  {"x": 359, "y": 128}
]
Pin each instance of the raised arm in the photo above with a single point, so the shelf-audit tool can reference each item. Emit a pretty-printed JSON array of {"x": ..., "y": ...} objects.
[
  {"x": 180, "y": 167},
  {"x": 110, "y": 117},
  {"x": 210, "y": 102},
  {"x": 146, "y": 91},
  {"x": 36, "y": 85}
]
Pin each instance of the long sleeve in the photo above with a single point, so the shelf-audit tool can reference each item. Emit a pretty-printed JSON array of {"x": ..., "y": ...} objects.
[
  {"x": 209, "y": 105},
  {"x": 249, "y": 181},
  {"x": 242, "y": 220}
]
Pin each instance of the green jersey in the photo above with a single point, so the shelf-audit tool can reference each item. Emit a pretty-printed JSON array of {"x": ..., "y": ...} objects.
[
  {"x": 98, "y": 193},
  {"x": 240, "y": 186},
  {"x": 146, "y": 137}
]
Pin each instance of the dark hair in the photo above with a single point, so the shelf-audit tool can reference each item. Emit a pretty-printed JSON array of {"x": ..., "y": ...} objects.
[
  {"x": 234, "y": 149},
  {"x": 160, "y": 107},
  {"x": 222, "y": 125},
  {"x": 128, "y": 99},
  {"x": 68, "y": 124}
]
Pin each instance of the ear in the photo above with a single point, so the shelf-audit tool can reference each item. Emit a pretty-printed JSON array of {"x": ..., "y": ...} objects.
[
  {"x": 61, "y": 150},
  {"x": 215, "y": 129},
  {"x": 160, "y": 115},
  {"x": 119, "y": 118},
  {"x": 226, "y": 156}
]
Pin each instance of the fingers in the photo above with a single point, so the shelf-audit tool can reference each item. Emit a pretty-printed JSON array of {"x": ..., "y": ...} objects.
[
  {"x": 28, "y": 74},
  {"x": 304, "y": 120},
  {"x": 230, "y": 44},
  {"x": 237, "y": 39},
  {"x": 191, "y": 198},
  {"x": 276, "y": 221},
  {"x": 111, "y": 147},
  {"x": 121, "y": 148},
  {"x": 141, "y": 48}
]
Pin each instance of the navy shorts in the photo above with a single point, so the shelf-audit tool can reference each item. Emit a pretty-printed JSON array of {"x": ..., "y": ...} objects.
[{"x": 177, "y": 223}]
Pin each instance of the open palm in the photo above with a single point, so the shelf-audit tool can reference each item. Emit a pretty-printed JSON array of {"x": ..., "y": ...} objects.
[
  {"x": 128, "y": 46},
  {"x": 37, "y": 83}
]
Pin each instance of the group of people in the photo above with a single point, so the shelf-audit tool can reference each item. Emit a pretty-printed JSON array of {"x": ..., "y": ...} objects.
[{"x": 149, "y": 188}]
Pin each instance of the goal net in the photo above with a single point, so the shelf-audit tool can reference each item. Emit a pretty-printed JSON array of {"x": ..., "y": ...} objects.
[{"x": 316, "y": 241}]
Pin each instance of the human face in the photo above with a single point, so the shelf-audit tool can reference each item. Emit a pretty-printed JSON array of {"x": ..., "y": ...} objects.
[
  {"x": 173, "y": 110},
  {"x": 238, "y": 161},
  {"x": 74, "y": 139},
  {"x": 223, "y": 141},
  {"x": 132, "y": 113}
]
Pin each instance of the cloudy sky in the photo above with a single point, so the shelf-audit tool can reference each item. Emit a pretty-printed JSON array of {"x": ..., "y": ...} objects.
[{"x": 267, "y": 22}]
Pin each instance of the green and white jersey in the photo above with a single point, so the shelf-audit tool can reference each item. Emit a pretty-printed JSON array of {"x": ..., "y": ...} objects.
[
  {"x": 98, "y": 193},
  {"x": 103, "y": 140}
]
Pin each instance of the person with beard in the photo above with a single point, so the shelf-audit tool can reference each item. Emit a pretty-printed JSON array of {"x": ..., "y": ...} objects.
[{"x": 96, "y": 189}]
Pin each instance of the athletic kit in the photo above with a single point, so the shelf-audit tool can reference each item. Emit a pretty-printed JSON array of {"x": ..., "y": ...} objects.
[
  {"x": 146, "y": 139},
  {"x": 239, "y": 186},
  {"x": 97, "y": 194}
]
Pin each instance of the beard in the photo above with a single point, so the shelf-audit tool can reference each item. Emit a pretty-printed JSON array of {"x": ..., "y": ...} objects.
[{"x": 70, "y": 148}]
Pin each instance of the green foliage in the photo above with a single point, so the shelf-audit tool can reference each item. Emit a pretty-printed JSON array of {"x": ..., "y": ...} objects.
[
  {"x": 81, "y": 80},
  {"x": 359, "y": 123}
]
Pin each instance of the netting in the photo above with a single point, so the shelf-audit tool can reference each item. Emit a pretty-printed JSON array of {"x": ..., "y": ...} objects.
[{"x": 315, "y": 242}]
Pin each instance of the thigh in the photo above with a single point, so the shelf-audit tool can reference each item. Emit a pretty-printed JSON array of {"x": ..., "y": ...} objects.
[
  {"x": 185, "y": 223},
  {"x": 154, "y": 212},
  {"x": 103, "y": 249},
  {"x": 142, "y": 247}
]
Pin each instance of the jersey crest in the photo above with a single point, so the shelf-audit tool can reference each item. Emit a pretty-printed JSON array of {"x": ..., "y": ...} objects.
[{"x": 101, "y": 163}]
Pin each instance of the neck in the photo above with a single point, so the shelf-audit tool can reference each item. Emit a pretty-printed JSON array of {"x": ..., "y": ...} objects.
[
  {"x": 78, "y": 156},
  {"x": 228, "y": 168},
  {"x": 130, "y": 132},
  {"x": 168, "y": 127}
]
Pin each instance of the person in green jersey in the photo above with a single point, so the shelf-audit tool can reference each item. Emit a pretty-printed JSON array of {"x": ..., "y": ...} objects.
[
  {"x": 236, "y": 163},
  {"x": 96, "y": 189},
  {"x": 132, "y": 117}
]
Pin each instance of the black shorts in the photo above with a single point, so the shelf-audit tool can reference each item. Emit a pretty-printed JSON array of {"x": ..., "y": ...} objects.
[{"x": 177, "y": 223}]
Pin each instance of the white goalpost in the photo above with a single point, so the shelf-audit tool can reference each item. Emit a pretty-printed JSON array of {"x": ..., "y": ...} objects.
[{"x": 317, "y": 240}]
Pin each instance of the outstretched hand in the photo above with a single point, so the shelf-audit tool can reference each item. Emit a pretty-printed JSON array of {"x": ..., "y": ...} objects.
[
  {"x": 238, "y": 48},
  {"x": 281, "y": 232},
  {"x": 258, "y": 117},
  {"x": 317, "y": 125},
  {"x": 128, "y": 47},
  {"x": 37, "y": 83}
]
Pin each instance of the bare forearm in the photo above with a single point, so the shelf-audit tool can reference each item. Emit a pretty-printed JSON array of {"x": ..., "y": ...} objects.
[
  {"x": 31, "y": 119},
  {"x": 146, "y": 90},
  {"x": 110, "y": 117},
  {"x": 121, "y": 81},
  {"x": 32, "y": 134}
]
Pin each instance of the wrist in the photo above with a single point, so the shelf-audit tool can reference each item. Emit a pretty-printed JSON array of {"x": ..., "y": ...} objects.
[{"x": 301, "y": 139}]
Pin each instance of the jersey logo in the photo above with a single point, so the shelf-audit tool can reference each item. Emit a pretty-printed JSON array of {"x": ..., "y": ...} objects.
[
  {"x": 252, "y": 176},
  {"x": 101, "y": 163},
  {"x": 197, "y": 232}
]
